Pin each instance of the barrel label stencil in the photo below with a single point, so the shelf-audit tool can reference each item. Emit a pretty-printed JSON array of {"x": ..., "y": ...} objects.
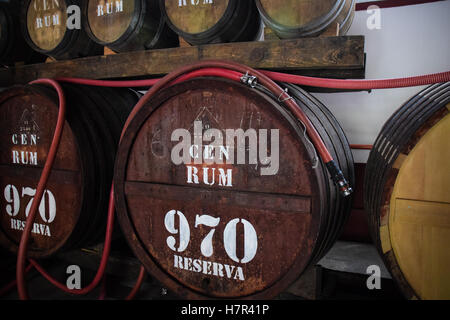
[
  {"x": 26, "y": 138},
  {"x": 216, "y": 193},
  {"x": 109, "y": 20},
  {"x": 46, "y": 22},
  {"x": 24, "y": 151},
  {"x": 207, "y": 249}
]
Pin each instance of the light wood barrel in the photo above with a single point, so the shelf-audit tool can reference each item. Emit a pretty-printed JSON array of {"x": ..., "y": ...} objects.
[
  {"x": 407, "y": 194},
  {"x": 202, "y": 22},
  {"x": 127, "y": 25},
  {"x": 49, "y": 29},
  {"x": 306, "y": 18}
]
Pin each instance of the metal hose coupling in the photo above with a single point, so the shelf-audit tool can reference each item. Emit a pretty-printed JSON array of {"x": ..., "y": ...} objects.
[
  {"x": 249, "y": 80},
  {"x": 339, "y": 179}
]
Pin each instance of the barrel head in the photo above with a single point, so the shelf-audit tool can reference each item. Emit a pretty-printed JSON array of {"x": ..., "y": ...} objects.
[
  {"x": 46, "y": 23},
  {"x": 109, "y": 20},
  {"x": 218, "y": 229},
  {"x": 27, "y": 122}
]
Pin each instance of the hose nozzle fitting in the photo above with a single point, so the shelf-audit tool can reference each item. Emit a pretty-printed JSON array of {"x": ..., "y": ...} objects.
[{"x": 338, "y": 178}]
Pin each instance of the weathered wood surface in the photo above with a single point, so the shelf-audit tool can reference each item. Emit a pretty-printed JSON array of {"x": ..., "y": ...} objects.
[{"x": 339, "y": 55}]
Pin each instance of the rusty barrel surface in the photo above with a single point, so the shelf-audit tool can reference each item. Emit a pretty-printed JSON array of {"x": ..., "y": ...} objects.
[
  {"x": 54, "y": 28},
  {"x": 407, "y": 194},
  {"x": 205, "y": 22},
  {"x": 127, "y": 25},
  {"x": 305, "y": 18},
  {"x": 73, "y": 209},
  {"x": 220, "y": 194}
]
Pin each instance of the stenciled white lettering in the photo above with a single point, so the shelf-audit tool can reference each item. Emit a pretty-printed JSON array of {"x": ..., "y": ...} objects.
[
  {"x": 212, "y": 268},
  {"x": 40, "y": 229},
  {"x": 109, "y": 8}
]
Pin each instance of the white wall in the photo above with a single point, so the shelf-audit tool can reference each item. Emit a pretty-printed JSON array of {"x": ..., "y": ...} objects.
[{"x": 413, "y": 40}]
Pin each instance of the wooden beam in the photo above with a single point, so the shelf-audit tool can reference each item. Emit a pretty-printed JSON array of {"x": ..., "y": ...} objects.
[{"x": 341, "y": 55}]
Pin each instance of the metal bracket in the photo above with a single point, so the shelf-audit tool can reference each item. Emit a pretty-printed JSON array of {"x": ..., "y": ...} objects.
[
  {"x": 286, "y": 93},
  {"x": 249, "y": 80}
]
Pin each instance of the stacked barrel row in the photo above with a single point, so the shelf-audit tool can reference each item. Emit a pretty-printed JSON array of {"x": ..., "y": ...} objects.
[
  {"x": 66, "y": 29},
  {"x": 207, "y": 221}
]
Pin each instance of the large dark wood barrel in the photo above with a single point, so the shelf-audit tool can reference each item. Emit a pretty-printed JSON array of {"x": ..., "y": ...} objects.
[
  {"x": 128, "y": 25},
  {"x": 228, "y": 229},
  {"x": 202, "y": 22},
  {"x": 407, "y": 194},
  {"x": 13, "y": 47},
  {"x": 306, "y": 18},
  {"x": 73, "y": 210},
  {"x": 49, "y": 29}
]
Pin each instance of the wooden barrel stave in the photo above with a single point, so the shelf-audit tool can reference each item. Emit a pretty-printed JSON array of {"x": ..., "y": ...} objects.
[
  {"x": 104, "y": 143},
  {"x": 336, "y": 142}
]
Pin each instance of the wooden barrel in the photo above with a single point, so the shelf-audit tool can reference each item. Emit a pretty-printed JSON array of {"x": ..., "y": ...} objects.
[
  {"x": 12, "y": 45},
  {"x": 74, "y": 206},
  {"x": 407, "y": 194},
  {"x": 50, "y": 29},
  {"x": 306, "y": 18},
  {"x": 232, "y": 218},
  {"x": 128, "y": 25},
  {"x": 202, "y": 22}
]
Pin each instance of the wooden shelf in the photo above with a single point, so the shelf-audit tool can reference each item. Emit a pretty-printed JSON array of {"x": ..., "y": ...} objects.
[{"x": 337, "y": 57}]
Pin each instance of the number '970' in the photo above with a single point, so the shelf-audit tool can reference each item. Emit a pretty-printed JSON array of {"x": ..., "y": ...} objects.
[
  {"x": 206, "y": 246},
  {"x": 13, "y": 199}
]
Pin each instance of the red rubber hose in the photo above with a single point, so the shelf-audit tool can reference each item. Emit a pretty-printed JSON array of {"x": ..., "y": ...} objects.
[
  {"x": 361, "y": 146},
  {"x": 102, "y": 294},
  {"x": 110, "y": 83},
  {"x": 13, "y": 283},
  {"x": 103, "y": 262},
  {"x": 138, "y": 284},
  {"x": 134, "y": 290},
  {"x": 23, "y": 245},
  {"x": 360, "y": 84},
  {"x": 363, "y": 84}
]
